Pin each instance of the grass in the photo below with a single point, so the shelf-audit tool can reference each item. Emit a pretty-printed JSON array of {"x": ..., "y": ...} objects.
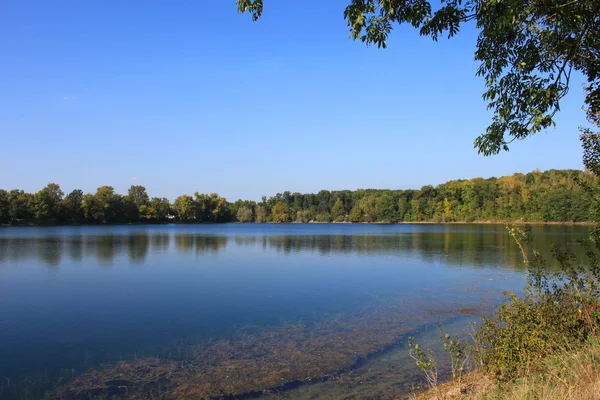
[{"x": 567, "y": 375}]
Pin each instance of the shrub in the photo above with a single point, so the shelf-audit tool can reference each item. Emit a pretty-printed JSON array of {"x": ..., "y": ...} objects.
[{"x": 557, "y": 311}]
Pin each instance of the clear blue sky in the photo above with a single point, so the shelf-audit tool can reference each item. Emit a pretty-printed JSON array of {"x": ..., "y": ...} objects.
[{"x": 189, "y": 96}]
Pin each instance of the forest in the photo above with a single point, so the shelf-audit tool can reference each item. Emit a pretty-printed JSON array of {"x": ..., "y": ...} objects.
[{"x": 549, "y": 196}]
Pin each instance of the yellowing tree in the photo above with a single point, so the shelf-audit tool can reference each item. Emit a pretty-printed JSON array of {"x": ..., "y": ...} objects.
[{"x": 280, "y": 213}]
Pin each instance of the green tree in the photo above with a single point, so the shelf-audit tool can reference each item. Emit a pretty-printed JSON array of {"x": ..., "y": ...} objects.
[
  {"x": 337, "y": 211},
  {"x": 160, "y": 208},
  {"x": 235, "y": 207},
  {"x": 137, "y": 203},
  {"x": 108, "y": 202},
  {"x": 527, "y": 52},
  {"x": 367, "y": 205},
  {"x": 185, "y": 208},
  {"x": 72, "y": 207},
  {"x": 220, "y": 209},
  {"x": 211, "y": 207},
  {"x": 126, "y": 211},
  {"x": 356, "y": 214},
  {"x": 261, "y": 214},
  {"x": 280, "y": 213},
  {"x": 48, "y": 203},
  {"x": 138, "y": 195},
  {"x": 385, "y": 208},
  {"x": 103, "y": 206},
  {"x": 4, "y": 207},
  {"x": 244, "y": 214},
  {"x": 403, "y": 207},
  {"x": 554, "y": 195},
  {"x": 92, "y": 210},
  {"x": 323, "y": 200},
  {"x": 22, "y": 205}
]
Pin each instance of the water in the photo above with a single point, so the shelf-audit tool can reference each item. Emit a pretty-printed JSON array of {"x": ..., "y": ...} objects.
[{"x": 72, "y": 298}]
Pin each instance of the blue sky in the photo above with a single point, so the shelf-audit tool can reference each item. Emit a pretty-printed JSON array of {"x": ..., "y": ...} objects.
[{"x": 191, "y": 96}]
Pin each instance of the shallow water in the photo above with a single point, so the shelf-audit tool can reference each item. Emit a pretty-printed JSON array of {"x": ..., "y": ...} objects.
[{"x": 72, "y": 298}]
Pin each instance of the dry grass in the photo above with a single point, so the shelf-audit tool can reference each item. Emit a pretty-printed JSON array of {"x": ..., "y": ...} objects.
[{"x": 565, "y": 376}]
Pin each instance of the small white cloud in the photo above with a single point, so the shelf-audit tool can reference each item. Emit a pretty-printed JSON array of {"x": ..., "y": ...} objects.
[
  {"x": 68, "y": 97},
  {"x": 133, "y": 179}
]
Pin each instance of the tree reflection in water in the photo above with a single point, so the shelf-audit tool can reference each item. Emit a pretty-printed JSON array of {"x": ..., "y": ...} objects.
[{"x": 449, "y": 247}]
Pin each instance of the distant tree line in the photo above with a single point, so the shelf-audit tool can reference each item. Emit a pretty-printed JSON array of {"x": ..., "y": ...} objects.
[{"x": 551, "y": 196}]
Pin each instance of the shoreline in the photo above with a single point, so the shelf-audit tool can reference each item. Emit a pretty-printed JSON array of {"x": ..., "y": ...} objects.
[{"x": 539, "y": 223}]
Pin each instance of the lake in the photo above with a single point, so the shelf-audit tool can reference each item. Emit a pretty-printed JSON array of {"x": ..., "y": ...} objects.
[{"x": 274, "y": 311}]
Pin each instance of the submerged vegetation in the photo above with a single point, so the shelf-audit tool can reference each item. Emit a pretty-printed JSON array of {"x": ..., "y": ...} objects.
[
  {"x": 550, "y": 196},
  {"x": 253, "y": 363}
]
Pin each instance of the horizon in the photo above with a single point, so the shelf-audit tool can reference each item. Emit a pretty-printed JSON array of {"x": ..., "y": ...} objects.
[{"x": 155, "y": 95}]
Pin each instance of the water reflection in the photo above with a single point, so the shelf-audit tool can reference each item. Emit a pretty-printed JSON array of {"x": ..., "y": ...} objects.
[
  {"x": 200, "y": 244},
  {"x": 160, "y": 242},
  {"x": 254, "y": 278},
  {"x": 104, "y": 249},
  {"x": 474, "y": 248}
]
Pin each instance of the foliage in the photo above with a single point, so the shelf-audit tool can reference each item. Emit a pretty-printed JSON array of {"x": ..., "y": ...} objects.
[
  {"x": 305, "y": 216},
  {"x": 160, "y": 208},
  {"x": 537, "y": 196},
  {"x": 22, "y": 205},
  {"x": 72, "y": 207},
  {"x": 457, "y": 350},
  {"x": 338, "y": 213},
  {"x": 211, "y": 208},
  {"x": 555, "y": 195},
  {"x": 590, "y": 141},
  {"x": 556, "y": 311},
  {"x": 323, "y": 217},
  {"x": 184, "y": 208},
  {"x": 4, "y": 207},
  {"x": 367, "y": 205},
  {"x": 569, "y": 374},
  {"x": 48, "y": 202},
  {"x": 204, "y": 205},
  {"x": 244, "y": 214},
  {"x": 280, "y": 213},
  {"x": 385, "y": 208},
  {"x": 591, "y": 145},
  {"x": 425, "y": 361},
  {"x": 261, "y": 215},
  {"x": 527, "y": 51},
  {"x": 138, "y": 195},
  {"x": 356, "y": 214},
  {"x": 103, "y": 206}
]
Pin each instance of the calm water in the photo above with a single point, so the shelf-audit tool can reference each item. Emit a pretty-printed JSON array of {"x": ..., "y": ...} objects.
[{"x": 74, "y": 297}]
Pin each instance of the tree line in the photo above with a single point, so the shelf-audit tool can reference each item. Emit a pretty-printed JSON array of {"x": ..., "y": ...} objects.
[{"x": 551, "y": 196}]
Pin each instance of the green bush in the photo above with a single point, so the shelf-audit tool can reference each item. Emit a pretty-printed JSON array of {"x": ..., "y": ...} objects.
[{"x": 558, "y": 311}]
